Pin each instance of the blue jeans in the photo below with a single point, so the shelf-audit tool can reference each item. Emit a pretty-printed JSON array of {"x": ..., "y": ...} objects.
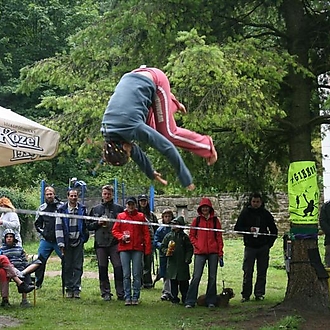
[
  {"x": 133, "y": 258},
  {"x": 44, "y": 251},
  {"x": 211, "y": 291}
]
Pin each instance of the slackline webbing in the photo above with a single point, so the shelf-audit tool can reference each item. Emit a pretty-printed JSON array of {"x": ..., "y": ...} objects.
[{"x": 90, "y": 218}]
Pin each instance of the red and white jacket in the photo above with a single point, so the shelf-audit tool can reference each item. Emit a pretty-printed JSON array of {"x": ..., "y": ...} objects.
[{"x": 139, "y": 234}]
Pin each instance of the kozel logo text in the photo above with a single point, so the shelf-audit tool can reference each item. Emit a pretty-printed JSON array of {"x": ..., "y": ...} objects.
[{"x": 12, "y": 138}]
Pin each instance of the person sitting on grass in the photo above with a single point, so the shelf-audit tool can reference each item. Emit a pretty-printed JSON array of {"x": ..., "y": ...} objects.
[
  {"x": 17, "y": 257},
  {"x": 7, "y": 272}
]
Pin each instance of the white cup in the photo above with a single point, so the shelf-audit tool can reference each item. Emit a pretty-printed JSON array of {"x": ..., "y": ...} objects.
[
  {"x": 127, "y": 236},
  {"x": 256, "y": 231}
]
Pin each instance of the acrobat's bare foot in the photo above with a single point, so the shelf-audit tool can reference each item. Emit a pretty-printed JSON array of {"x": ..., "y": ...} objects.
[
  {"x": 211, "y": 160},
  {"x": 191, "y": 187}
]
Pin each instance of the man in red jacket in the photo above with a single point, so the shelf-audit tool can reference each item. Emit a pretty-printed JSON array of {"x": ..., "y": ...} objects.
[
  {"x": 208, "y": 246},
  {"x": 134, "y": 242}
]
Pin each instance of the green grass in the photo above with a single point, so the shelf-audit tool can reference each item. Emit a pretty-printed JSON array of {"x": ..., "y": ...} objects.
[{"x": 90, "y": 312}]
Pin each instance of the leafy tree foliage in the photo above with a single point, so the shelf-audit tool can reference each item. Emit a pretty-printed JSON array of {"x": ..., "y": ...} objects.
[{"x": 216, "y": 83}]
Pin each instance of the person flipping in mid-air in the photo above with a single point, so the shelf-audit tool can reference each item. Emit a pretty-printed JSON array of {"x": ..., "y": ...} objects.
[{"x": 142, "y": 109}]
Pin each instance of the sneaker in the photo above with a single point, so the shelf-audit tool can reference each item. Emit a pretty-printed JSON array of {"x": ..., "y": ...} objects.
[
  {"x": 211, "y": 306},
  {"x": 135, "y": 302},
  {"x": 188, "y": 306},
  {"x": 128, "y": 303},
  {"x": 69, "y": 294},
  {"x": 5, "y": 303},
  {"x": 25, "y": 304},
  {"x": 165, "y": 297},
  {"x": 259, "y": 298},
  {"x": 243, "y": 300},
  {"x": 106, "y": 297},
  {"x": 76, "y": 295},
  {"x": 122, "y": 298},
  {"x": 38, "y": 287},
  {"x": 25, "y": 288},
  {"x": 175, "y": 300}
]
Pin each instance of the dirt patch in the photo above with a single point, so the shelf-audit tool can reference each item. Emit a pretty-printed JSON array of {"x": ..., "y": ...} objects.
[
  {"x": 271, "y": 316},
  {"x": 7, "y": 321},
  {"x": 53, "y": 273}
]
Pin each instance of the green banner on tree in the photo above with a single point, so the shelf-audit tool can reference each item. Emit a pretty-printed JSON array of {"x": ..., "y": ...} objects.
[{"x": 303, "y": 193}]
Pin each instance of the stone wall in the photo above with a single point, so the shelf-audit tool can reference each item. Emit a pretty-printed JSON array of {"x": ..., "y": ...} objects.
[{"x": 226, "y": 206}]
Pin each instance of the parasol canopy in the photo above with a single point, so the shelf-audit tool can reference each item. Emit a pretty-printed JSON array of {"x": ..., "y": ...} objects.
[{"x": 23, "y": 140}]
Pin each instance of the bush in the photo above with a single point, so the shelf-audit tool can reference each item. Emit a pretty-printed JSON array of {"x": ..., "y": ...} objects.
[{"x": 24, "y": 200}]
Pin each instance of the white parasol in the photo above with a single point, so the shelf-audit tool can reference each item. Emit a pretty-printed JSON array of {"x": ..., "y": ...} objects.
[{"x": 23, "y": 140}]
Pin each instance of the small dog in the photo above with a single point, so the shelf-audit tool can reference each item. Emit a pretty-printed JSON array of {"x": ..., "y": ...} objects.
[{"x": 222, "y": 298}]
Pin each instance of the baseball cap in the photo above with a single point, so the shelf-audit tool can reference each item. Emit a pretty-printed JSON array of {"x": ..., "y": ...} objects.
[
  {"x": 143, "y": 196},
  {"x": 131, "y": 199}
]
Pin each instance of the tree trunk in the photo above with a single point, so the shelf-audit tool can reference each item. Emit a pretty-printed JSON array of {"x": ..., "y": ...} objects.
[{"x": 305, "y": 291}]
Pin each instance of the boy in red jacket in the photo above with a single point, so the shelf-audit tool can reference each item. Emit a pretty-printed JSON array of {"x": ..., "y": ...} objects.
[
  {"x": 208, "y": 246},
  {"x": 134, "y": 242}
]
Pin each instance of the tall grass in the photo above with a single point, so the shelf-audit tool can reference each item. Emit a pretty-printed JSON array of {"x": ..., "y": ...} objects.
[{"x": 91, "y": 312}]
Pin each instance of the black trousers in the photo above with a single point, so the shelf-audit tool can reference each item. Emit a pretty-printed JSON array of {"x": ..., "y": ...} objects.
[
  {"x": 252, "y": 256},
  {"x": 177, "y": 286}
]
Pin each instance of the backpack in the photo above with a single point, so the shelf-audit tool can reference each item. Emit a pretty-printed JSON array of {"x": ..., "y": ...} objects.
[{"x": 198, "y": 219}]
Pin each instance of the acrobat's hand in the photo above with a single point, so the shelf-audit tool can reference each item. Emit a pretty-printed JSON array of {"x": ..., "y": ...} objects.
[
  {"x": 191, "y": 187},
  {"x": 158, "y": 177}
]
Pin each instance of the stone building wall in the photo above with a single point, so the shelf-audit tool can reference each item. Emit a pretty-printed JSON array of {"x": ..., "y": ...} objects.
[{"x": 226, "y": 206}]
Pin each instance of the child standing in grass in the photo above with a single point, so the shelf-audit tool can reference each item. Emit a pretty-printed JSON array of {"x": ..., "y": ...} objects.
[
  {"x": 161, "y": 232},
  {"x": 179, "y": 251}
]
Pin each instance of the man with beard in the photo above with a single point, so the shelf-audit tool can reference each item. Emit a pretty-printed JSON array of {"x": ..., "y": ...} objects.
[{"x": 45, "y": 226}]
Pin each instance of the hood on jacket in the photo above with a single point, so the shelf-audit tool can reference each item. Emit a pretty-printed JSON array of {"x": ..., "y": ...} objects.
[
  {"x": 179, "y": 221},
  {"x": 205, "y": 201},
  {"x": 7, "y": 232}
]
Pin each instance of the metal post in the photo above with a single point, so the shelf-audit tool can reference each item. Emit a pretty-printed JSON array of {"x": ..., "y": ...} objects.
[
  {"x": 42, "y": 192},
  {"x": 115, "y": 188},
  {"x": 152, "y": 198},
  {"x": 123, "y": 193}
]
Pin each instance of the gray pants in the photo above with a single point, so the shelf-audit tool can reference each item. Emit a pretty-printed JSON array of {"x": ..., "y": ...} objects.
[
  {"x": 103, "y": 255},
  {"x": 73, "y": 267},
  {"x": 211, "y": 291}
]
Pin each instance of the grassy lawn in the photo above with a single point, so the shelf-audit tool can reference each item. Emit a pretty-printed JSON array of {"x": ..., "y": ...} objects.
[{"x": 91, "y": 312}]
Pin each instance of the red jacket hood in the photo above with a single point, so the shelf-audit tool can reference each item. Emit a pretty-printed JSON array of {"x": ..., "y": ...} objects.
[{"x": 205, "y": 201}]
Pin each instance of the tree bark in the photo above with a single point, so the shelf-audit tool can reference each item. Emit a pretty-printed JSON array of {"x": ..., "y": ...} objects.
[{"x": 305, "y": 291}]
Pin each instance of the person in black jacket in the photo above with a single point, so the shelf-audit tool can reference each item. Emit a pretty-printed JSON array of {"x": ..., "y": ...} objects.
[
  {"x": 144, "y": 207},
  {"x": 45, "y": 226},
  {"x": 254, "y": 220},
  {"x": 325, "y": 226},
  {"x": 105, "y": 244}
]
